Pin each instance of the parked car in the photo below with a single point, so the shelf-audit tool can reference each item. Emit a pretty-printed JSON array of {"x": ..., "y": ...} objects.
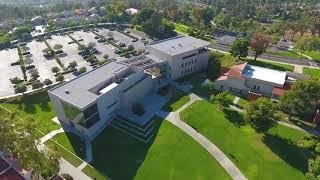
[
  {"x": 80, "y": 40},
  {"x": 117, "y": 51},
  {"x": 142, "y": 39},
  {"x": 134, "y": 40},
  {"x": 101, "y": 40},
  {"x": 96, "y": 37},
  {"x": 26, "y": 53},
  {"x": 122, "y": 45}
]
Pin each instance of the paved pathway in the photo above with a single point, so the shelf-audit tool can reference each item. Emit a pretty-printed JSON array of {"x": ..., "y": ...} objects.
[
  {"x": 236, "y": 100},
  {"x": 76, "y": 173},
  {"x": 298, "y": 69},
  {"x": 51, "y": 135},
  {"x": 225, "y": 162}
]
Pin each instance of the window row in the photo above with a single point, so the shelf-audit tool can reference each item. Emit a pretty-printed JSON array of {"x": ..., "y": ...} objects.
[
  {"x": 189, "y": 63},
  {"x": 188, "y": 71}
]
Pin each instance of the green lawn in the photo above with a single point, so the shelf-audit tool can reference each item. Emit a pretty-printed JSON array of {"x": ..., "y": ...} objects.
[
  {"x": 243, "y": 103},
  {"x": 38, "y": 107},
  {"x": 72, "y": 143},
  {"x": 94, "y": 173},
  {"x": 272, "y": 65},
  {"x": 181, "y": 28},
  {"x": 313, "y": 54},
  {"x": 270, "y": 156},
  {"x": 171, "y": 155},
  {"x": 286, "y": 54},
  {"x": 228, "y": 60},
  {"x": 314, "y": 73},
  {"x": 176, "y": 102}
]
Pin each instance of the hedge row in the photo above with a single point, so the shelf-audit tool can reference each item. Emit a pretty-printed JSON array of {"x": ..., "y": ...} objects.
[
  {"x": 54, "y": 55},
  {"x": 21, "y": 62}
]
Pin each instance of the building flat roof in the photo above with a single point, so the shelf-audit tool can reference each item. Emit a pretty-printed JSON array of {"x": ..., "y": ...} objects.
[
  {"x": 178, "y": 45},
  {"x": 264, "y": 74},
  {"x": 77, "y": 91}
]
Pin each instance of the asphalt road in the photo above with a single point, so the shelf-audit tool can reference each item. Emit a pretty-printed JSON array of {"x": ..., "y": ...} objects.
[{"x": 270, "y": 57}]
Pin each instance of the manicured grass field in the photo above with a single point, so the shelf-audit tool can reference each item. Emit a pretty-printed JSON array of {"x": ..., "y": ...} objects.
[
  {"x": 177, "y": 101},
  {"x": 72, "y": 143},
  {"x": 38, "y": 107},
  {"x": 313, "y": 54},
  {"x": 286, "y": 54},
  {"x": 314, "y": 73},
  {"x": 273, "y": 155},
  {"x": 272, "y": 65},
  {"x": 171, "y": 155},
  {"x": 181, "y": 28},
  {"x": 94, "y": 173}
]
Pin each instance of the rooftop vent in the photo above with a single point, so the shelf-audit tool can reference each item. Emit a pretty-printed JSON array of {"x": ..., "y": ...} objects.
[
  {"x": 67, "y": 91},
  {"x": 173, "y": 47},
  {"x": 180, "y": 45}
]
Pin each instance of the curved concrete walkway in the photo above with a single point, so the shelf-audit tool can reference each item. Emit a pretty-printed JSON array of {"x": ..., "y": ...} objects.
[{"x": 223, "y": 160}]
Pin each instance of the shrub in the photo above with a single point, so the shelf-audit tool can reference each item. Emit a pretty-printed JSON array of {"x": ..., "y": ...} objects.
[
  {"x": 47, "y": 82},
  {"x": 60, "y": 78},
  {"x": 130, "y": 48},
  {"x": 106, "y": 56},
  {"x": 138, "y": 109},
  {"x": 307, "y": 142},
  {"x": 16, "y": 80},
  {"x": 55, "y": 69},
  {"x": 37, "y": 85},
  {"x": 82, "y": 70},
  {"x": 20, "y": 88},
  {"x": 72, "y": 65}
]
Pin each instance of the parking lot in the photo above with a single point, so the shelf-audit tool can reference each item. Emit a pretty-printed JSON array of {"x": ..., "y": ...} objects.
[
  {"x": 7, "y": 71},
  {"x": 103, "y": 48},
  {"x": 121, "y": 38},
  {"x": 42, "y": 64},
  {"x": 70, "y": 52}
]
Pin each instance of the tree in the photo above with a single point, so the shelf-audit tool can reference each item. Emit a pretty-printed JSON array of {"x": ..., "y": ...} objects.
[
  {"x": 308, "y": 44},
  {"x": 57, "y": 47},
  {"x": 19, "y": 139},
  {"x": 130, "y": 47},
  {"x": 313, "y": 169},
  {"x": 197, "y": 15},
  {"x": 106, "y": 56},
  {"x": 91, "y": 45},
  {"x": 72, "y": 65},
  {"x": 46, "y": 50},
  {"x": 214, "y": 65},
  {"x": 55, "y": 69},
  {"x": 239, "y": 48},
  {"x": 34, "y": 74},
  {"x": 260, "y": 114},
  {"x": 82, "y": 70},
  {"x": 302, "y": 99},
  {"x": 28, "y": 61},
  {"x": 60, "y": 78},
  {"x": 82, "y": 47},
  {"x": 259, "y": 43},
  {"x": 16, "y": 80},
  {"x": 221, "y": 99},
  {"x": 20, "y": 88},
  {"x": 47, "y": 82}
]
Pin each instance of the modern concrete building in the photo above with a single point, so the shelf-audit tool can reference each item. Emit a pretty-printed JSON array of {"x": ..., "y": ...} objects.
[
  {"x": 184, "y": 55},
  {"x": 252, "y": 80},
  {"x": 90, "y": 102}
]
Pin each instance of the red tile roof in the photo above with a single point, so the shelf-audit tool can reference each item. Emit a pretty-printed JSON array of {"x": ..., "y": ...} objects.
[{"x": 11, "y": 174}]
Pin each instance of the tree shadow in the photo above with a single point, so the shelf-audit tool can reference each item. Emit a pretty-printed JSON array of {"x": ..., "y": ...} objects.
[
  {"x": 234, "y": 117},
  {"x": 118, "y": 155},
  {"x": 288, "y": 151}
]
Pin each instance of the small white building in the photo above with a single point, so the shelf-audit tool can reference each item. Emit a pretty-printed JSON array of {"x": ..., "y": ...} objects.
[
  {"x": 132, "y": 11},
  {"x": 285, "y": 44},
  {"x": 38, "y": 20},
  {"x": 61, "y": 21},
  {"x": 93, "y": 10},
  {"x": 67, "y": 13},
  {"x": 53, "y": 15},
  {"x": 248, "y": 79},
  {"x": 93, "y": 17},
  {"x": 80, "y": 12}
]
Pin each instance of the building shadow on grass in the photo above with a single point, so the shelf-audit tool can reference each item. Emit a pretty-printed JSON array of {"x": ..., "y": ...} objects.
[
  {"x": 234, "y": 117},
  {"x": 118, "y": 155},
  {"x": 288, "y": 151}
]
